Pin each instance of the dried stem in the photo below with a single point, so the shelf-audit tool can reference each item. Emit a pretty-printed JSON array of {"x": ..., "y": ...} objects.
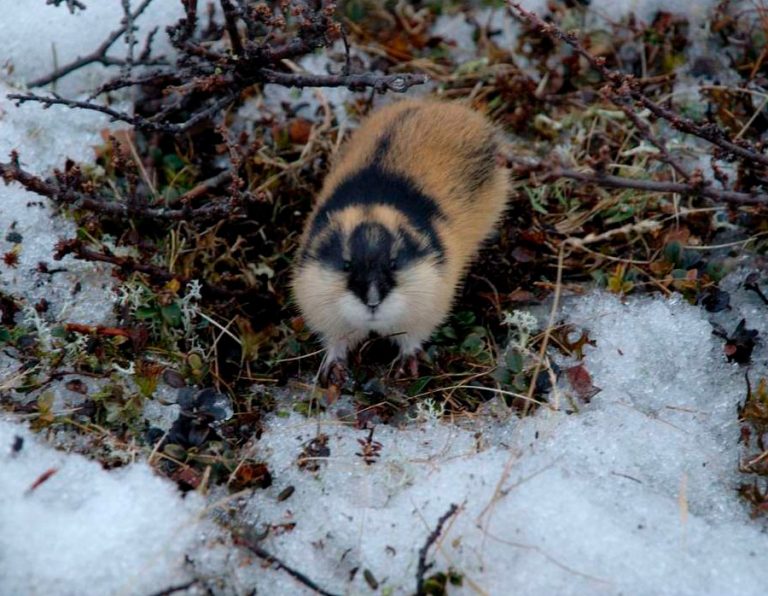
[
  {"x": 625, "y": 92},
  {"x": 398, "y": 83},
  {"x": 433, "y": 536},
  {"x": 72, "y": 5},
  {"x": 549, "y": 172},
  {"x": 273, "y": 560},
  {"x": 99, "y": 55},
  {"x": 727, "y": 196},
  {"x": 64, "y": 194},
  {"x": 206, "y": 80},
  {"x": 625, "y": 85}
]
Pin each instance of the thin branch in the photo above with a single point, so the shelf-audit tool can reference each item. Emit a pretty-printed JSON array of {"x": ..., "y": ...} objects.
[
  {"x": 137, "y": 121},
  {"x": 645, "y": 131},
  {"x": 210, "y": 79},
  {"x": 130, "y": 36},
  {"x": 549, "y": 172},
  {"x": 709, "y": 132},
  {"x": 230, "y": 20},
  {"x": 71, "y": 4},
  {"x": 399, "y": 83},
  {"x": 625, "y": 85},
  {"x": 203, "y": 188},
  {"x": 129, "y": 265},
  {"x": 174, "y": 589},
  {"x": 273, "y": 560},
  {"x": 433, "y": 536},
  {"x": 154, "y": 78},
  {"x": 727, "y": 196},
  {"x": 99, "y": 55},
  {"x": 11, "y": 172}
]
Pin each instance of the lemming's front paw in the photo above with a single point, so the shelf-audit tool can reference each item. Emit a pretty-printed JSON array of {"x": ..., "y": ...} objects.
[
  {"x": 408, "y": 366},
  {"x": 335, "y": 374}
]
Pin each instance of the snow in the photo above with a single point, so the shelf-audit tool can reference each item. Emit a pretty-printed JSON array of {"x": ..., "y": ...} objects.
[
  {"x": 645, "y": 10},
  {"x": 44, "y": 140},
  {"x": 633, "y": 495},
  {"x": 85, "y": 530}
]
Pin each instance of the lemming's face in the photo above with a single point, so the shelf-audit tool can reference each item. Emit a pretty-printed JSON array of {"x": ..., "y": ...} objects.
[{"x": 366, "y": 276}]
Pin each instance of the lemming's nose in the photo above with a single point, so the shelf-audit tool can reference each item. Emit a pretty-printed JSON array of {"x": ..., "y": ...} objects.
[{"x": 374, "y": 296}]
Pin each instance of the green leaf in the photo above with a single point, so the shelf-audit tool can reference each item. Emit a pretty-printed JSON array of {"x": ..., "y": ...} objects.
[
  {"x": 146, "y": 312},
  {"x": 448, "y": 332},
  {"x": 172, "y": 162},
  {"x": 419, "y": 385},
  {"x": 59, "y": 331},
  {"x": 466, "y": 317},
  {"x": 514, "y": 361},
  {"x": 172, "y": 314},
  {"x": 473, "y": 344},
  {"x": 716, "y": 270},
  {"x": 672, "y": 252}
]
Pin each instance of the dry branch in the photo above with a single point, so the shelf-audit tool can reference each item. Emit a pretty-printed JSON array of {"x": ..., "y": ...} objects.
[
  {"x": 72, "y": 5},
  {"x": 626, "y": 93},
  {"x": 206, "y": 80},
  {"x": 625, "y": 85},
  {"x": 549, "y": 172},
  {"x": 727, "y": 196},
  {"x": 273, "y": 560},
  {"x": 99, "y": 55},
  {"x": 62, "y": 189},
  {"x": 433, "y": 536}
]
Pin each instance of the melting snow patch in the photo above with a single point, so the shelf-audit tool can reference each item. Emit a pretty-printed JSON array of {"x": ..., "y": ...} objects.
[
  {"x": 84, "y": 530},
  {"x": 44, "y": 139},
  {"x": 633, "y": 495}
]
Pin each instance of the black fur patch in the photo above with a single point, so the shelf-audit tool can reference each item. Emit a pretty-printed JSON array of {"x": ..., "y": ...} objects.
[
  {"x": 410, "y": 250},
  {"x": 374, "y": 186},
  {"x": 330, "y": 251},
  {"x": 370, "y": 247}
]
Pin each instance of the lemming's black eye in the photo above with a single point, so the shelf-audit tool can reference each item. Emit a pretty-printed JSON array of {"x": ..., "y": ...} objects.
[
  {"x": 393, "y": 264},
  {"x": 347, "y": 265}
]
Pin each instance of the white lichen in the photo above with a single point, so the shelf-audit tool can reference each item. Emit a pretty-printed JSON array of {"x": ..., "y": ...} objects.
[{"x": 522, "y": 325}]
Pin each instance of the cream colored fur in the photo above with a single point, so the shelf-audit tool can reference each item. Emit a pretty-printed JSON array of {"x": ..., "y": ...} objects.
[{"x": 436, "y": 145}]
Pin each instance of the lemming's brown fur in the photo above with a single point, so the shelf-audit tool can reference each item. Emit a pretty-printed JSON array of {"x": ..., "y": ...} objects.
[{"x": 447, "y": 152}]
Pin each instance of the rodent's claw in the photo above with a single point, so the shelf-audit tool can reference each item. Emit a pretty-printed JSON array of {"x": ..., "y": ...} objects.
[
  {"x": 337, "y": 374},
  {"x": 409, "y": 367}
]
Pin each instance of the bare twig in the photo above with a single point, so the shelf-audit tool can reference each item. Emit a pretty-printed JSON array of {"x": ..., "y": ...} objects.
[
  {"x": 71, "y": 4},
  {"x": 550, "y": 171},
  {"x": 174, "y": 589},
  {"x": 203, "y": 188},
  {"x": 230, "y": 20},
  {"x": 625, "y": 85},
  {"x": 129, "y": 265},
  {"x": 99, "y": 55},
  {"x": 205, "y": 79},
  {"x": 137, "y": 121},
  {"x": 727, "y": 196},
  {"x": 433, "y": 536},
  {"x": 66, "y": 195},
  {"x": 130, "y": 37},
  {"x": 645, "y": 131},
  {"x": 398, "y": 83},
  {"x": 273, "y": 560}
]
